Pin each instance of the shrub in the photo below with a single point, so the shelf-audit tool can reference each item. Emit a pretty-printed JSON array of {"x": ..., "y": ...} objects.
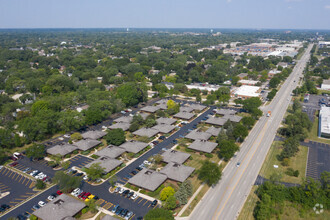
[
  {"x": 208, "y": 155},
  {"x": 40, "y": 184},
  {"x": 84, "y": 210},
  {"x": 286, "y": 162},
  {"x": 94, "y": 156},
  {"x": 166, "y": 193}
]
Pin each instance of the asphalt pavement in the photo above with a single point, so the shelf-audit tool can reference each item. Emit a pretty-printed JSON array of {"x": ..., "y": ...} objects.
[{"x": 225, "y": 200}]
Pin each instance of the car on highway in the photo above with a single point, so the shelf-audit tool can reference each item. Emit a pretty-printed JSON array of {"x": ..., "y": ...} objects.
[{"x": 238, "y": 164}]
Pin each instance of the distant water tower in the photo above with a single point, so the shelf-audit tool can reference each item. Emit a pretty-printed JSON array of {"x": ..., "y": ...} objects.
[{"x": 211, "y": 31}]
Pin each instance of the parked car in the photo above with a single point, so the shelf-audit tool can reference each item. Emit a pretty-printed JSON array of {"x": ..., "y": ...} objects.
[
  {"x": 125, "y": 192},
  {"x": 36, "y": 207},
  {"x": 162, "y": 137},
  {"x": 130, "y": 194},
  {"x": 26, "y": 170},
  {"x": 174, "y": 141},
  {"x": 154, "y": 203},
  {"x": 129, "y": 215},
  {"x": 90, "y": 197},
  {"x": 134, "y": 196},
  {"x": 59, "y": 192},
  {"x": 147, "y": 162},
  {"x": 124, "y": 213},
  {"x": 51, "y": 197},
  {"x": 139, "y": 168},
  {"x": 121, "y": 190},
  {"x": 114, "y": 209},
  {"x": 13, "y": 164},
  {"x": 134, "y": 172},
  {"x": 41, "y": 203},
  {"x": 117, "y": 189},
  {"x": 81, "y": 195},
  {"x": 75, "y": 192},
  {"x": 118, "y": 210}
]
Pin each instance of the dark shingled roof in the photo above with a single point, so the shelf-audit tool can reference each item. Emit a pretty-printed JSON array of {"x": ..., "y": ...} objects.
[
  {"x": 93, "y": 134},
  {"x": 216, "y": 121},
  {"x": 61, "y": 149},
  {"x": 123, "y": 125},
  {"x": 107, "y": 163},
  {"x": 177, "y": 172},
  {"x": 184, "y": 115},
  {"x": 86, "y": 144},
  {"x": 148, "y": 132},
  {"x": 164, "y": 128},
  {"x": 110, "y": 151},
  {"x": 198, "y": 135},
  {"x": 168, "y": 121},
  {"x": 175, "y": 156},
  {"x": 204, "y": 146},
  {"x": 133, "y": 146},
  {"x": 60, "y": 208},
  {"x": 148, "y": 179}
]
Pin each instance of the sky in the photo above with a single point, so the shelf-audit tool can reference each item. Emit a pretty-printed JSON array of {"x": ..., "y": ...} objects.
[{"x": 255, "y": 14}]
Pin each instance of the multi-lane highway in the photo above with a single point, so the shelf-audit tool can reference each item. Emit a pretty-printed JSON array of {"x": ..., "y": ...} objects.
[{"x": 225, "y": 200}]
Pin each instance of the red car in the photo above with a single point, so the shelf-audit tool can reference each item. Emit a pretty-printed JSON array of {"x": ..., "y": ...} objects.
[
  {"x": 59, "y": 192},
  {"x": 81, "y": 195},
  {"x": 13, "y": 164},
  {"x": 85, "y": 196}
]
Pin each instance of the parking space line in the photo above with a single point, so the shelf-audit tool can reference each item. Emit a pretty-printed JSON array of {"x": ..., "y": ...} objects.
[
  {"x": 149, "y": 205},
  {"x": 27, "y": 182},
  {"x": 14, "y": 202},
  {"x": 7, "y": 172},
  {"x": 14, "y": 175},
  {"x": 20, "y": 199},
  {"x": 2, "y": 170},
  {"x": 145, "y": 202},
  {"x": 99, "y": 202},
  {"x": 30, "y": 193},
  {"x": 32, "y": 185},
  {"x": 155, "y": 206},
  {"x": 132, "y": 216},
  {"x": 17, "y": 177},
  {"x": 140, "y": 201},
  {"x": 10, "y": 174},
  {"x": 108, "y": 205},
  {"x": 20, "y": 178}
]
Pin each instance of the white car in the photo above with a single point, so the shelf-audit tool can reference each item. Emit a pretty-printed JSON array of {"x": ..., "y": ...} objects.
[
  {"x": 85, "y": 177},
  {"x": 134, "y": 196},
  {"x": 41, "y": 203},
  {"x": 147, "y": 162},
  {"x": 51, "y": 197},
  {"x": 66, "y": 136},
  {"x": 75, "y": 192},
  {"x": 121, "y": 190}
]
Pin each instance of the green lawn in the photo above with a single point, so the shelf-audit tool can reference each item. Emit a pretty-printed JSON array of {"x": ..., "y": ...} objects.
[
  {"x": 297, "y": 162},
  {"x": 314, "y": 131}
]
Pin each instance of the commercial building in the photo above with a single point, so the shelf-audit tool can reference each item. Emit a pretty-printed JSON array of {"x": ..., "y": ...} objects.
[
  {"x": 133, "y": 146},
  {"x": 175, "y": 156},
  {"x": 203, "y": 146},
  {"x": 324, "y": 122},
  {"x": 61, "y": 149},
  {"x": 198, "y": 135},
  {"x": 148, "y": 179},
  {"x": 248, "y": 82},
  {"x": 148, "y": 132},
  {"x": 325, "y": 85},
  {"x": 60, "y": 208},
  {"x": 245, "y": 92},
  {"x": 93, "y": 134},
  {"x": 177, "y": 172},
  {"x": 107, "y": 163},
  {"x": 110, "y": 151},
  {"x": 86, "y": 144}
]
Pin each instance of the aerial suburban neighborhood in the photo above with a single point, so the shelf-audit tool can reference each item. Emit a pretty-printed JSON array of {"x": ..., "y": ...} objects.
[{"x": 195, "y": 123}]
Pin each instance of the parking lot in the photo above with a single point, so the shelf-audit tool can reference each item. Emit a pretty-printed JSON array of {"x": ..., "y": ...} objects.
[
  {"x": 80, "y": 161},
  {"x": 312, "y": 105},
  {"x": 19, "y": 187},
  {"x": 41, "y": 165},
  {"x": 318, "y": 159}
]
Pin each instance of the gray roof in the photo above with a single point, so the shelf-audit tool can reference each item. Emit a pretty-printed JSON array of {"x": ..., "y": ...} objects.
[
  {"x": 164, "y": 128},
  {"x": 198, "y": 107},
  {"x": 148, "y": 179},
  {"x": 109, "y": 217},
  {"x": 123, "y": 125},
  {"x": 216, "y": 121},
  {"x": 232, "y": 118},
  {"x": 93, "y": 134},
  {"x": 214, "y": 131},
  {"x": 177, "y": 172},
  {"x": 198, "y": 135},
  {"x": 242, "y": 75},
  {"x": 86, "y": 144},
  {"x": 186, "y": 109},
  {"x": 133, "y": 146},
  {"x": 225, "y": 112},
  {"x": 148, "y": 132},
  {"x": 61, "y": 149},
  {"x": 162, "y": 101},
  {"x": 126, "y": 119},
  {"x": 144, "y": 115},
  {"x": 107, "y": 163},
  {"x": 204, "y": 146},
  {"x": 60, "y": 208},
  {"x": 162, "y": 106},
  {"x": 110, "y": 151},
  {"x": 175, "y": 156},
  {"x": 184, "y": 115},
  {"x": 168, "y": 121},
  {"x": 151, "y": 109}
]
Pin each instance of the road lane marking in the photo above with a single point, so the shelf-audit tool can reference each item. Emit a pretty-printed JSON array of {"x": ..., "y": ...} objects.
[{"x": 263, "y": 134}]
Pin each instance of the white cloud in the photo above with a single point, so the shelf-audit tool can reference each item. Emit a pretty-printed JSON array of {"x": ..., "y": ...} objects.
[{"x": 327, "y": 6}]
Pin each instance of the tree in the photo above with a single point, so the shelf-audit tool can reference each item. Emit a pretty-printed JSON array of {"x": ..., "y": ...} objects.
[
  {"x": 66, "y": 182},
  {"x": 92, "y": 207},
  {"x": 134, "y": 126},
  {"x": 171, "y": 202},
  {"x": 240, "y": 132},
  {"x": 40, "y": 184},
  {"x": 273, "y": 82},
  {"x": 251, "y": 104},
  {"x": 160, "y": 214},
  {"x": 222, "y": 135},
  {"x": 115, "y": 137},
  {"x": 166, "y": 192},
  {"x": 209, "y": 173},
  {"x": 95, "y": 171},
  {"x": 76, "y": 136},
  {"x": 36, "y": 151},
  {"x": 227, "y": 149},
  {"x": 248, "y": 122},
  {"x": 65, "y": 164},
  {"x": 113, "y": 180},
  {"x": 173, "y": 107},
  {"x": 184, "y": 192},
  {"x": 198, "y": 98}
]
